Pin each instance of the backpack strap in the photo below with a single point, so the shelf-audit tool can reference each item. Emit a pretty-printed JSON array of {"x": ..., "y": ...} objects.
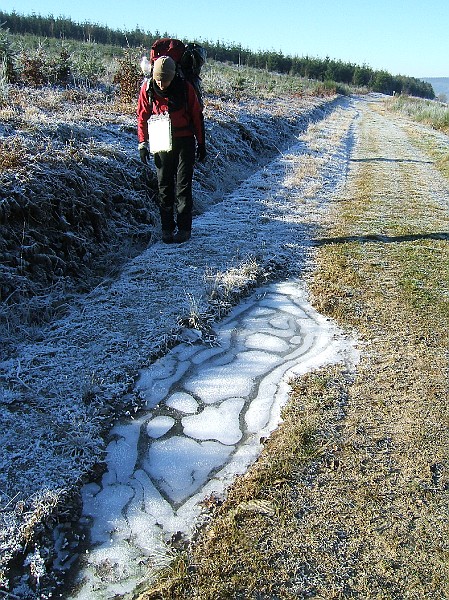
[{"x": 149, "y": 89}]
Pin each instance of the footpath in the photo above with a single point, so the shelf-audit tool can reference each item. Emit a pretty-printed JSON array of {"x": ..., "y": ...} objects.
[{"x": 350, "y": 497}]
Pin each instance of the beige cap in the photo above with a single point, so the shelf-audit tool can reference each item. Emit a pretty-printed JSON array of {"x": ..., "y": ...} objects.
[{"x": 164, "y": 68}]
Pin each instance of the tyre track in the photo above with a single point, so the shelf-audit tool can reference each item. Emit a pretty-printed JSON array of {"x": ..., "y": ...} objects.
[{"x": 389, "y": 495}]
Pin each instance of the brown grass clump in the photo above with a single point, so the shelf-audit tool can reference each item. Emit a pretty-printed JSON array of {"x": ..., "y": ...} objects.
[{"x": 12, "y": 154}]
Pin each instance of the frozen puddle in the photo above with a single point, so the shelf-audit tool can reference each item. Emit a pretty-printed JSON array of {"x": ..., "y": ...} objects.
[{"x": 208, "y": 408}]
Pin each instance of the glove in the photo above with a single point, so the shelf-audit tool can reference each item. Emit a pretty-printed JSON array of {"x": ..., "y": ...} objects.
[
  {"x": 144, "y": 154},
  {"x": 201, "y": 152}
]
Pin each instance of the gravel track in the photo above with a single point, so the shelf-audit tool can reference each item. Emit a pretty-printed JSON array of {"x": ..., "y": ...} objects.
[{"x": 365, "y": 515}]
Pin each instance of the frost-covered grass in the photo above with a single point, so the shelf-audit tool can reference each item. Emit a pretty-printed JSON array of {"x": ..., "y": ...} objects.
[
  {"x": 428, "y": 112},
  {"x": 81, "y": 309}
]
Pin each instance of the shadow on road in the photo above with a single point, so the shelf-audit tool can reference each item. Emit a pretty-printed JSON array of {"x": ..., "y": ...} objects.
[
  {"x": 384, "y": 239},
  {"x": 392, "y": 160}
]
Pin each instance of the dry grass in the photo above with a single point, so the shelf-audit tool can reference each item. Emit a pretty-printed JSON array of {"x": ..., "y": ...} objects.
[
  {"x": 12, "y": 154},
  {"x": 349, "y": 498},
  {"x": 302, "y": 167}
]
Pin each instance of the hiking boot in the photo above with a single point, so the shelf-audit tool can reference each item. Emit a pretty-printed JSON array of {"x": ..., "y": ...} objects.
[
  {"x": 167, "y": 237},
  {"x": 181, "y": 236}
]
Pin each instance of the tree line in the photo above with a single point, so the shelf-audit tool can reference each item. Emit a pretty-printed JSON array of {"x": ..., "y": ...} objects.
[{"x": 326, "y": 69}]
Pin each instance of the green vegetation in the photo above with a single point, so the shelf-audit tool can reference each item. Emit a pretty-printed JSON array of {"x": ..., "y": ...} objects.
[
  {"x": 323, "y": 70},
  {"x": 434, "y": 114}
]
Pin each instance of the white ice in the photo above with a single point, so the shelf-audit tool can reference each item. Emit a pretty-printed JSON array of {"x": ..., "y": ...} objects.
[
  {"x": 106, "y": 508},
  {"x": 209, "y": 409},
  {"x": 181, "y": 465},
  {"x": 122, "y": 453},
  {"x": 183, "y": 402},
  {"x": 216, "y": 423},
  {"x": 269, "y": 343},
  {"x": 154, "y": 387},
  {"x": 235, "y": 379},
  {"x": 159, "y": 426}
]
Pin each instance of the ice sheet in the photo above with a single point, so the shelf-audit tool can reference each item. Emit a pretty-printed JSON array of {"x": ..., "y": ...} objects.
[
  {"x": 159, "y": 426},
  {"x": 181, "y": 465},
  {"x": 216, "y": 423},
  {"x": 209, "y": 409}
]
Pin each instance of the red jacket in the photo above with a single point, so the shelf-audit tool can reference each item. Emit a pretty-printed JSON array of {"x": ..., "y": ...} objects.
[{"x": 180, "y": 102}]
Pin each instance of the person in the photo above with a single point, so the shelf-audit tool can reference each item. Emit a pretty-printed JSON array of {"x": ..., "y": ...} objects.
[{"x": 168, "y": 92}]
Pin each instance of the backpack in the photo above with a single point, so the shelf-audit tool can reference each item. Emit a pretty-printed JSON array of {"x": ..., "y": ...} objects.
[{"x": 188, "y": 58}]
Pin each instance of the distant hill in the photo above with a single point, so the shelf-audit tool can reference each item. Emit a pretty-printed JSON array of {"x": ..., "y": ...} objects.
[{"x": 440, "y": 84}]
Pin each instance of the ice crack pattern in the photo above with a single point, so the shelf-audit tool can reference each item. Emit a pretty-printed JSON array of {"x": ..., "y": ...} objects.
[{"x": 208, "y": 408}]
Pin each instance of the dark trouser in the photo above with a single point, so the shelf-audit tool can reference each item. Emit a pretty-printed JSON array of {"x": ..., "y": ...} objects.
[{"x": 174, "y": 175}]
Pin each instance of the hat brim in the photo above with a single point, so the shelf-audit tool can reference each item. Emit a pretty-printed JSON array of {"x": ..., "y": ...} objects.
[{"x": 164, "y": 77}]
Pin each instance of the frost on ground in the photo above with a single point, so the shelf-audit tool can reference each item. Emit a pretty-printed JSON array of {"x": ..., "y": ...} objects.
[
  {"x": 69, "y": 359},
  {"x": 206, "y": 411}
]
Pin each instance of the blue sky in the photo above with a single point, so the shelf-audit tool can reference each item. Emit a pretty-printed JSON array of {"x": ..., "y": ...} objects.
[{"x": 403, "y": 37}]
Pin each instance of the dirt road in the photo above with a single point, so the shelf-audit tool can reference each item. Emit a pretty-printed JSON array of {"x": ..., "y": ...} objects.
[
  {"x": 350, "y": 498},
  {"x": 389, "y": 491}
]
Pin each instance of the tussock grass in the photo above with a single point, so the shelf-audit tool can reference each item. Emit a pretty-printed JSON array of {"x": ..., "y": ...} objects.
[
  {"x": 430, "y": 112},
  {"x": 12, "y": 154},
  {"x": 225, "y": 286}
]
